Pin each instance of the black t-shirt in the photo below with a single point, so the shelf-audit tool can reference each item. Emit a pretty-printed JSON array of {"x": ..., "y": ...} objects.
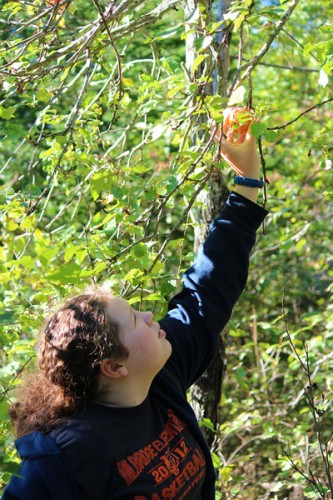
[{"x": 145, "y": 448}]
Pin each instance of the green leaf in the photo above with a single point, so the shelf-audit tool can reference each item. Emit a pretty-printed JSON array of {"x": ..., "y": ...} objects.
[
  {"x": 71, "y": 8},
  {"x": 7, "y": 317},
  {"x": 128, "y": 82},
  {"x": 133, "y": 275},
  {"x": 214, "y": 26},
  {"x": 43, "y": 95},
  {"x": 239, "y": 21},
  {"x": 49, "y": 152},
  {"x": 197, "y": 61},
  {"x": 270, "y": 135},
  {"x": 206, "y": 422},
  {"x": 175, "y": 89},
  {"x": 98, "y": 269},
  {"x": 257, "y": 129},
  {"x": 140, "y": 250},
  {"x": 241, "y": 378},
  {"x": 7, "y": 113},
  {"x": 226, "y": 472},
  {"x": 67, "y": 273},
  {"x": 12, "y": 6}
]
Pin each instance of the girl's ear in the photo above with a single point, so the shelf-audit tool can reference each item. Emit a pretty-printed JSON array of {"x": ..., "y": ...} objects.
[{"x": 113, "y": 368}]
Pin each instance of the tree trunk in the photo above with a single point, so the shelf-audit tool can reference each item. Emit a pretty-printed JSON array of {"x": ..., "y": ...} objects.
[{"x": 206, "y": 393}]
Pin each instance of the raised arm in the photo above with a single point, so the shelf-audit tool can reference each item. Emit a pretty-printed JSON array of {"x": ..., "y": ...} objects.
[{"x": 218, "y": 276}]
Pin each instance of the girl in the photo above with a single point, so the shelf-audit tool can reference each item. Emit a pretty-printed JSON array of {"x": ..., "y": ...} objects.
[{"x": 106, "y": 414}]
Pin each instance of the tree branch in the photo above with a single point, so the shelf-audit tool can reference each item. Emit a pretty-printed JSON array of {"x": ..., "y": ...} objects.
[
  {"x": 243, "y": 72},
  {"x": 289, "y": 67},
  {"x": 76, "y": 48},
  {"x": 318, "y": 105}
]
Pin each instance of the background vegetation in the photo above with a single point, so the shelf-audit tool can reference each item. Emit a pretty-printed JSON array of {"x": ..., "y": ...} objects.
[{"x": 105, "y": 151}]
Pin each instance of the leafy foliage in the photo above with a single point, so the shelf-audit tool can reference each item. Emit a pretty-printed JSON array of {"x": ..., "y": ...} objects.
[{"x": 105, "y": 147}]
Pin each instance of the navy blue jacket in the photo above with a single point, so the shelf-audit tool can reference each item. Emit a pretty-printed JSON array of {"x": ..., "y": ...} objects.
[{"x": 193, "y": 324}]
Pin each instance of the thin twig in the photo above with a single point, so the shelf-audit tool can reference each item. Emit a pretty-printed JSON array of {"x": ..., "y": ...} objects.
[
  {"x": 17, "y": 374},
  {"x": 243, "y": 72},
  {"x": 318, "y": 426},
  {"x": 76, "y": 47},
  {"x": 263, "y": 166},
  {"x": 175, "y": 228},
  {"x": 318, "y": 105},
  {"x": 71, "y": 124}
]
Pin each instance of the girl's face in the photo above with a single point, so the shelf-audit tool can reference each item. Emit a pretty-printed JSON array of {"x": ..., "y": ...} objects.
[{"x": 142, "y": 336}]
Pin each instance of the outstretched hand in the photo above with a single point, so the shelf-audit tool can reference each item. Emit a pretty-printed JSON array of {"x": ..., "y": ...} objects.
[{"x": 236, "y": 143}]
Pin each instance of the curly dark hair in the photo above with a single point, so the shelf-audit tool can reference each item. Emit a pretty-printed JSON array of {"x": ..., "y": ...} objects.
[{"x": 72, "y": 344}]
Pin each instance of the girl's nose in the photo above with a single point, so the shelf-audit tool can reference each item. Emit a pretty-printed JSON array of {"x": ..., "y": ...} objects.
[{"x": 148, "y": 317}]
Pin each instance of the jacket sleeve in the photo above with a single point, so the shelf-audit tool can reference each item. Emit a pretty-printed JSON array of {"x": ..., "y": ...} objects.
[
  {"x": 27, "y": 484},
  {"x": 211, "y": 287},
  {"x": 43, "y": 474}
]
